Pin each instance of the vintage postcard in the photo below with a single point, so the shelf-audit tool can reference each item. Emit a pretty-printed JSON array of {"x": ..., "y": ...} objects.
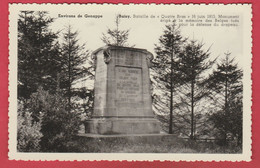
[{"x": 130, "y": 82}]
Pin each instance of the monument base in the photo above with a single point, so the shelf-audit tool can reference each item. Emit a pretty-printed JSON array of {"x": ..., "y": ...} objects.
[{"x": 122, "y": 126}]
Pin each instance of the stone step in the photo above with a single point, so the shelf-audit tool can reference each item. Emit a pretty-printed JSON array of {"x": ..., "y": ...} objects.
[{"x": 149, "y": 138}]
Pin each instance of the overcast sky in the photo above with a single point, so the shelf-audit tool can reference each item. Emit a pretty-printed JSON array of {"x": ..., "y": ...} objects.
[{"x": 144, "y": 32}]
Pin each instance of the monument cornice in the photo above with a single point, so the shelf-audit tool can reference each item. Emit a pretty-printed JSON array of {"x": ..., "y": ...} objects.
[{"x": 107, "y": 50}]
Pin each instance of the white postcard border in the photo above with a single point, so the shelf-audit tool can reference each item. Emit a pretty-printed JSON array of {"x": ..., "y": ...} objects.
[{"x": 12, "y": 127}]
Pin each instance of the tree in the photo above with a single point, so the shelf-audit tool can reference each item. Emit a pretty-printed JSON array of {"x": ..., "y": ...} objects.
[
  {"x": 48, "y": 79},
  {"x": 87, "y": 93},
  {"x": 116, "y": 36},
  {"x": 38, "y": 53},
  {"x": 226, "y": 89},
  {"x": 73, "y": 67},
  {"x": 193, "y": 64},
  {"x": 164, "y": 75}
]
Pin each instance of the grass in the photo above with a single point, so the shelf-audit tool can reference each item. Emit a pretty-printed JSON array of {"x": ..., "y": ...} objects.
[{"x": 147, "y": 145}]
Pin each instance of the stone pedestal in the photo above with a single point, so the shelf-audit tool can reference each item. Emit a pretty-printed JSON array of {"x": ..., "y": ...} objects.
[
  {"x": 122, "y": 126},
  {"x": 122, "y": 103}
]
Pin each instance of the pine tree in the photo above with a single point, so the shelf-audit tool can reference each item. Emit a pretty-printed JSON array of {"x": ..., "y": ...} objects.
[
  {"x": 163, "y": 70},
  {"x": 47, "y": 73},
  {"x": 193, "y": 63},
  {"x": 38, "y": 53},
  {"x": 87, "y": 93},
  {"x": 73, "y": 67},
  {"x": 116, "y": 36},
  {"x": 226, "y": 89}
]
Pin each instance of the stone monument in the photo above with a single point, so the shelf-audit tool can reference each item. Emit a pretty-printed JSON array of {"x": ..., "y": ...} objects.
[{"x": 122, "y": 100}]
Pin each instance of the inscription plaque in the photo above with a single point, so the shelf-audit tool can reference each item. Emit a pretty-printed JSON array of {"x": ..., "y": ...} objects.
[{"x": 128, "y": 85}]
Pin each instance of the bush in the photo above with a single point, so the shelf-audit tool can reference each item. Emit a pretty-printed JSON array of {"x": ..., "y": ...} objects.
[
  {"x": 47, "y": 123},
  {"x": 59, "y": 123},
  {"x": 28, "y": 134}
]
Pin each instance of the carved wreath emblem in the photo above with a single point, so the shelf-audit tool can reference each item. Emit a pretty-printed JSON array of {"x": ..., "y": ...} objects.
[{"x": 107, "y": 56}]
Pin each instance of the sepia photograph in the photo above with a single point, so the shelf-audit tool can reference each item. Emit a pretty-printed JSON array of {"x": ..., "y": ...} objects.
[{"x": 130, "y": 82}]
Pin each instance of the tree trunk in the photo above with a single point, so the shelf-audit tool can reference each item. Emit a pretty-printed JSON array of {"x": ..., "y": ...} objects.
[
  {"x": 226, "y": 102},
  {"x": 69, "y": 87},
  {"x": 192, "y": 100},
  {"x": 171, "y": 97},
  {"x": 192, "y": 109}
]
